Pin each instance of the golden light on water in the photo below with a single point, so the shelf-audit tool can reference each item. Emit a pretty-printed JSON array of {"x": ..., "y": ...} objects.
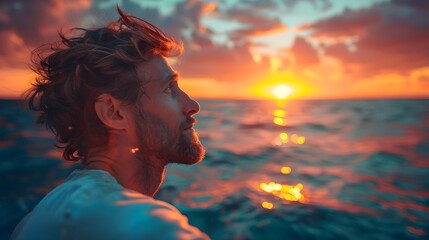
[
  {"x": 283, "y": 191},
  {"x": 283, "y": 136},
  {"x": 279, "y": 113},
  {"x": 295, "y": 138},
  {"x": 280, "y": 117},
  {"x": 267, "y": 205},
  {"x": 282, "y": 91},
  {"x": 286, "y": 170},
  {"x": 279, "y": 121},
  {"x": 300, "y": 140}
]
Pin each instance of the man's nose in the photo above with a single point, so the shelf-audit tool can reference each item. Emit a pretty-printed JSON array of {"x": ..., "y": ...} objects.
[{"x": 191, "y": 106}]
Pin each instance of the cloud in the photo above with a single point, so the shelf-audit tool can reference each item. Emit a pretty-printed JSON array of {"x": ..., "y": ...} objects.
[
  {"x": 27, "y": 24},
  {"x": 304, "y": 53},
  {"x": 416, "y": 4},
  {"x": 254, "y": 24},
  {"x": 254, "y": 20},
  {"x": 349, "y": 23},
  {"x": 223, "y": 64},
  {"x": 389, "y": 37},
  {"x": 203, "y": 58},
  {"x": 322, "y": 5},
  {"x": 184, "y": 22},
  {"x": 13, "y": 51}
]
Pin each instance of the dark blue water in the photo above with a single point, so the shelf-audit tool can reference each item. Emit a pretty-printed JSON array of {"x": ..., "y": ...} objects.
[{"x": 301, "y": 169}]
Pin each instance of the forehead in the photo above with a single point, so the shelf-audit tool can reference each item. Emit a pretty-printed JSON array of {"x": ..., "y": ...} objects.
[{"x": 156, "y": 70}]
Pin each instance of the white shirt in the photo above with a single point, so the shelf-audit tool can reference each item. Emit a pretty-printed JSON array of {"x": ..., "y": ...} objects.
[{"x": 91, "y": 204}]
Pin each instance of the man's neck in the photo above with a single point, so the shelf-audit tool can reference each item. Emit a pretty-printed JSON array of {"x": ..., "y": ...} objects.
[{"x": 129, "y": 168}]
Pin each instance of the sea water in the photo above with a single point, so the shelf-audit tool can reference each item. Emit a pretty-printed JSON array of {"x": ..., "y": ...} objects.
[{"x": 355, "y": 169}]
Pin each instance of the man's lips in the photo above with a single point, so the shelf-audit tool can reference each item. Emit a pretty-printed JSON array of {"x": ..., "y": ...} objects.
[{"x": 191, "y": 124}]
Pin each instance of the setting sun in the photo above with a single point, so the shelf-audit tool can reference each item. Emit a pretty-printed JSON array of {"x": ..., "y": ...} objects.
[
  {"x": 282, "y": 91},
  {"x": 281, "y": 85}
]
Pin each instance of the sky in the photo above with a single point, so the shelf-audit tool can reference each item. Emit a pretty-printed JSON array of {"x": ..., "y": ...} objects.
[{"x": 320, "y": 49}]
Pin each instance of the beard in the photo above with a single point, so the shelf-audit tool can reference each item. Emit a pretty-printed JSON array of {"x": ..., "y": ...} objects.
[{"x": 156, "y": 139}]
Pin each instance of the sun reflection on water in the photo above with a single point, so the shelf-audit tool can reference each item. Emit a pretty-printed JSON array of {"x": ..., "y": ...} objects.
[
  {"x": 279, "y": 119},
  {"x": 286, "y": 170},
  {"x": 279, "y": 113},
  {"x": 284, "y": 191},
  {"x": 267, "y": 205}
]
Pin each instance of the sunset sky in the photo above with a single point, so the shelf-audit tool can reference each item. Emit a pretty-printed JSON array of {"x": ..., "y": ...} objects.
[{"x": 244, "y": 49}]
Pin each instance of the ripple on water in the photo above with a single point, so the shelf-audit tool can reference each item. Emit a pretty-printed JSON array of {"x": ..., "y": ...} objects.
[{"x": 381, "y": 163}]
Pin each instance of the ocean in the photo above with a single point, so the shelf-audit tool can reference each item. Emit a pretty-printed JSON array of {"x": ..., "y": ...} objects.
[{"x": 331, "y": 169}]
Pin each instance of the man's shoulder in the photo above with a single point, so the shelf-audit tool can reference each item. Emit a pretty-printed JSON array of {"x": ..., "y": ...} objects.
[
  {"x": 96, "y": 189},
  {"x": 89, "y": 195},
  {"x": 92, "y": 205},
  {"x": 114, "y": 210}
]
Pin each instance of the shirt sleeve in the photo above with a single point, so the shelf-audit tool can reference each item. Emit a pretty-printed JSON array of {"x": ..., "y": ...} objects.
[
  {"x": 168, "y": 223},
  {"x": 140, "y": 218}
]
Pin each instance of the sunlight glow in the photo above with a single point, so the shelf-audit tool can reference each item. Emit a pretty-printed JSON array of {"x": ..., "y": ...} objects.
[
  {"x": 282, "y": 91},
  {"x": 263, "y": 87},
  {"x": 257, "y": 58}
]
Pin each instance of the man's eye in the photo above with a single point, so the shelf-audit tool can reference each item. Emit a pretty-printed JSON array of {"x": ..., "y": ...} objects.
[{"x": 169, "y": 89}]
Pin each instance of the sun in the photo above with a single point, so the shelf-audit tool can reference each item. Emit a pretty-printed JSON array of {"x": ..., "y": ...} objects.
[
  {"x": 281, "y": 85},
  {"x": 282, "y": 91}
]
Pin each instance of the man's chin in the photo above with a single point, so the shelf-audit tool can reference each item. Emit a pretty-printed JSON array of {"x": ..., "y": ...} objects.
[
  {"x": 192, "y": 153},
  {"x": 199, "y": 156},
  {"x": 198, "y": 149}
]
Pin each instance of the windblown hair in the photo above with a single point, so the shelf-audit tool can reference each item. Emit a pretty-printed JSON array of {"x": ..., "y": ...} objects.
[{"x": 73, "y": 72}]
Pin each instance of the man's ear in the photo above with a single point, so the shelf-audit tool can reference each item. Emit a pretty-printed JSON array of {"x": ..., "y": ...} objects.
[{"x": 111, "y": 112}]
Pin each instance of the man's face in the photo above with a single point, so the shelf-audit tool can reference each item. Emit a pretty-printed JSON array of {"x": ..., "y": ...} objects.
[{"x": 164, "y": 116}]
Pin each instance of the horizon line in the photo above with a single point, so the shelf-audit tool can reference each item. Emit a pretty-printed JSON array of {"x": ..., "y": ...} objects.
[{"x": 286, "y": 99}]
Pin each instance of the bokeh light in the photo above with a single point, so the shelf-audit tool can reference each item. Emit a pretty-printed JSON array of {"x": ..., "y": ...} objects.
[
  {"x": 279, "y": 121},
  {"x": 286, "y": 170},
  {"x": 283, "y": 191},
  {"x": 267, "y": 205}
]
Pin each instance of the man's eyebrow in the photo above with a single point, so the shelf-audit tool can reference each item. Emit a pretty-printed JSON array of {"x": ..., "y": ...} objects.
[{"x": 174, "y": 77}]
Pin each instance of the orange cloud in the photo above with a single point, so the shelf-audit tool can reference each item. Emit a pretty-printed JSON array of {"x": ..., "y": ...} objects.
[
  {"x": 357, "y": 53},
  {"x": 222, "y": 64},
  {"x": 254, "y": 24},
  {"x": 349, "y": 23},
  {"x": 304, "y": 53},
  {"x": 387, "y": 38},
  {"x": 29, "y": 24}
]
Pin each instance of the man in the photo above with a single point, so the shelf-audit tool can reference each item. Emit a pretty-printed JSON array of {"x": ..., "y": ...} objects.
[{"x": 113, "y": 102}]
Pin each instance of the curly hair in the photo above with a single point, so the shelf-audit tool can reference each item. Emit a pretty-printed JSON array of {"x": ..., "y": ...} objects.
[{"x": 74, "y": 71}]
